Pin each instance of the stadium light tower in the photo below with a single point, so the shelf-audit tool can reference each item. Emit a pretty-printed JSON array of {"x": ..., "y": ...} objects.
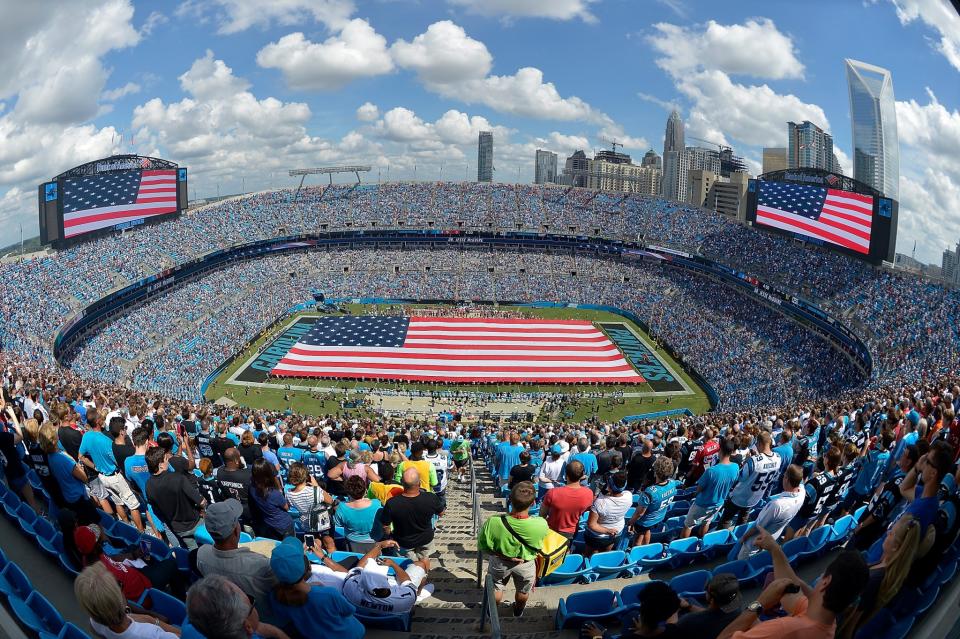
[{"x": 328, "y": 170}]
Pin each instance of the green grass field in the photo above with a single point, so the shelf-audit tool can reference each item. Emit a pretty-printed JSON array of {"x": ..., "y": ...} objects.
[{"x": 324, "y": 396}]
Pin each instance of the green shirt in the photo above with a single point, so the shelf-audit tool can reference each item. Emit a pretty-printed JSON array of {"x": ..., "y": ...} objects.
[
  {"x": 495, "y": 538},
  {"x": 460, "y": 449}
]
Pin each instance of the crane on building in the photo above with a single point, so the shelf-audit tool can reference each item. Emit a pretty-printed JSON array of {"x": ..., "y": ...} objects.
[
  {"x": 613, "y": 143},
  {"x": 720, "y": 147}
]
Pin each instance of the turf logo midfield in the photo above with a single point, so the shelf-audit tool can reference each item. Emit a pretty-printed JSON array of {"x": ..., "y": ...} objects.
[{"x": 643, "y": 359}]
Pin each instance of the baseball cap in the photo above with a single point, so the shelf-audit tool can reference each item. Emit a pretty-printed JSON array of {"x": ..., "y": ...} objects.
[
  {"x": 288, "y": 561},
  {"x": 724, "y": 589},
  {"x": 85, "y": 538},
  {"x": 222, "y": 517},
  {"x": 557, "y": 449}
]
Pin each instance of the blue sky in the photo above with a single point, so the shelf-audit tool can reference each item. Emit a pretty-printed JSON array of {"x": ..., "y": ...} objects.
[{"x": 240, "y": 91}]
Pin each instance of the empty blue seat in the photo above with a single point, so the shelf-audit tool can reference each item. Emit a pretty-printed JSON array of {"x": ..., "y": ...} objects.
[
  {"x": 647, "y": 557},
  {"x": 106, "y": 522},
  {"x": 38, "y": 614},
  {"x": 760, "y": 564},
  {"x": 795, "y": 547},
  {"x": 10, "y": 504},
  {"x": 691, "y": 584},
  {"x": 877, "y": 625},
  {"x": 67, "y": 565},
  {"x": 162, "y": 603},
  {"x": 858, "y": 513},
  {"x": 572, "y": 570},
  {"x": 52, "y": 546},
  {"x": 947, "y": 573},
  {"x": 742, "y": 528},
  {"x": 14, "y": 583},
  {"x": 683, "y": 552},
  {"x": 27, "y": 517},
  {"x": 817, "y": 539},
  {"x": 70, "y": 631},
  {"x": 900, "y": 630},
  {"x": 126, "y": 533},
  {"x": 840, "y": 530},
  {"x": 739, "y": 569},
  {"x": 717, "y": 543},
  {"x": 395, "y": 623},
  {"x": 580, "y": 607},
  {"x": 608, "y": 565},
  {"x": 927, "y": 598}
]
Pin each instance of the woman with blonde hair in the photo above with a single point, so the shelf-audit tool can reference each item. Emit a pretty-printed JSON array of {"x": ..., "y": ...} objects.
[
  {"x": 99, "y": 594},
  {"x": 900, "y": 547}
]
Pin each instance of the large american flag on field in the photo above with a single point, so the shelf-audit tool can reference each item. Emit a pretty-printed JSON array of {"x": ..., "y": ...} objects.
[
  {"x": 100, "y": 201},
  {"x": 437, "y": 349},
  {"x": 831, "y": 215}
]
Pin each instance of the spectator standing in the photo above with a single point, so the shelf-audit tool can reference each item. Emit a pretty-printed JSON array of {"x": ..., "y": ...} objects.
[
  {"x": 96, "y": 452},
  {"x": 511, "y": 542},
  {"x": 641, "y": 466},
  {"x": 442, "y": 465},
  {"x": 306, "y": 496},
  {"x": 234, "y": 481},
  {"x": 509, "y": 456},
  {"x": 425, "y": 470},
  {"x": 361, "y": 516},
  {"x": 712, "y": 489},
  {"x": 606, "y": 520},
  {"x": 586, "y": 458},
  {"x": 654, "y": 501},
  {"x": 408, "y": 518},
  {"x": 551, "y": 473},
  {"x": 563, "y": 506},
  {"x": 524, "y": 471},
  {"x": 269, "y": 504},
  {"x": 175, "y": 499},
  {"x": 776, "y": 513},
  {"x": 70, "y": 478}
]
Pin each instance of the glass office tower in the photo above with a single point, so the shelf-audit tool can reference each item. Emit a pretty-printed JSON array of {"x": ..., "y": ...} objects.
[{"x": 873, "y": 119}]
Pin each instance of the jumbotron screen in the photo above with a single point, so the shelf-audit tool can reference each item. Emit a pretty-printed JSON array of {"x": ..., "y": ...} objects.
[
  {"x": 833, "y": 216},
  {"x": 95, "y": 202}
]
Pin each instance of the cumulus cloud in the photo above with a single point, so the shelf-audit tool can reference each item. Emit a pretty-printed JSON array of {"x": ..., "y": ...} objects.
[
  {"x": 939, "y": 16},
  {"x": 553, "y": 9},
  {"x": 932, "y": 129},
  {"x": 357, "y": 51},
  {"x": 928, "y": 214},
  {"x": 234, "y": 16},
  {"x": 756, "y": 48},
  {"x": 443, "y": 54},
  {"x": 368, "y": 112},
  {"x": 130, "y": 88}
]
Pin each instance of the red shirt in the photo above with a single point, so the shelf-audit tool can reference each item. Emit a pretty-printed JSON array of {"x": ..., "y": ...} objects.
[
  {"x": 132, "y": 581},
  {"x": 566, "y": 504}
]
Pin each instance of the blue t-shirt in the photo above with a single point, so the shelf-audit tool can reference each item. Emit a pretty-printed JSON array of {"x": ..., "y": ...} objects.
[
  {"x": 327, "y": 613},
  {"x": 271, "y": 507},
  {"x": 786, "y": 455},
  {"x": 62, "y": 464},
  {"x": 135, "y": 469},
  {"x": 871, "y": 466},
  {"x": 271, "y": 458},
  {"x": 924, "y": 510},
  {"x": 289, "y": 454},
  {"x": 656, "y": 500},
  {"x": 589, "y": 461},
  {"x": 99, "y": 448},
  {"x": 715, "y": 484},
  {"x": 360, "y": 524},
  {"x": 509, "y": 457}
]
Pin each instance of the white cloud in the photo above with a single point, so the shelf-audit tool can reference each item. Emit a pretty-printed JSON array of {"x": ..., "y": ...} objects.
[
  {"x": 356, "y": 51},
  {"x": 524, "y": 93},
  {"x": 756, "y": 48},
  {"x": 234, "y": 16},
  {"x": 443, "y": 54},
  {"x": 130, "y": 88},
  {"x": 401, "y": 124},
  {"x": 928, "y": 215},
  {"x": 554, "y": 9},
  {"x": 939, "y": 16},
  {"x": 368, "y": 112},
  {"x": 209, "y": 78},
  {"x": 933, "y": 130},
  {"x": 154, "y": 20},
  {"x": 846, "y": 164},
  {"x": 754, "y": 115}
]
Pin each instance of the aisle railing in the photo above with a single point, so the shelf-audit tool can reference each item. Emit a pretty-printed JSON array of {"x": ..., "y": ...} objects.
[{"x": 488, "y": 608}]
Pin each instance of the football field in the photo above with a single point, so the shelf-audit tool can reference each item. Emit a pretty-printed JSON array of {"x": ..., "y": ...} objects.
[{"x": 665, "y": 385}]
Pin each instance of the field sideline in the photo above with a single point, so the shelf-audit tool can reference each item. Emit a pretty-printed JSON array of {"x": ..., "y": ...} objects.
[{"x": 323, "y": 396}]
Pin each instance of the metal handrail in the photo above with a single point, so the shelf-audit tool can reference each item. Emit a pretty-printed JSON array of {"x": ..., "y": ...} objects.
[{"x": 488, "y": 608}]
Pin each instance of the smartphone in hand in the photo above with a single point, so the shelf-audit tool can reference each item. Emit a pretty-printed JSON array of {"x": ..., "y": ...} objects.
[{"x": 309, "y": 540}]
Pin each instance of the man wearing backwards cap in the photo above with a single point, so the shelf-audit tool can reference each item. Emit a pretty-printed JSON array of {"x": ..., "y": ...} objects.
[
  {"x": 723, "y": 595},
  {"x": 249, "y": 570}
]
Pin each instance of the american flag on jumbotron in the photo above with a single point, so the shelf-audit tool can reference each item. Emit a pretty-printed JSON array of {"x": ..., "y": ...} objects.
[
  {"x": 837, "y": 217},
  {"x": 100, "y": 201},
  {"x": 437, "y": 349}
]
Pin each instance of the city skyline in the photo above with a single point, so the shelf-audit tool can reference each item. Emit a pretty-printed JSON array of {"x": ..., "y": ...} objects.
[{"x": 241, "y": 91}]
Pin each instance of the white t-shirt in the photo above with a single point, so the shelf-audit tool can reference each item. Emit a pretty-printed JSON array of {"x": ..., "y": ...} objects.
[
  {"x": 774, "y": 517},
  {"x": 136, "y": 630},
  {"x": 611, "y": 510},
  {"x": 551, "y": 471},
  {"x": 440, "y": 463}
]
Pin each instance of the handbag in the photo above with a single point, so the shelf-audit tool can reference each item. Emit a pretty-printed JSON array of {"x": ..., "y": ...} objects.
[
  {"x": 553, "y": 549},
  {"x": 318, "y": 519}
]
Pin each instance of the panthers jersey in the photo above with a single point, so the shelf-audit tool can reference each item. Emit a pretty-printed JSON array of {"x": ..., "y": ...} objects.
[
  {"x": 656, "y": 501},
  {"x": 441, "y": 464},
  {"x": 757, "y": 474},
  {"x": 845, "y": 476},
  {"x": 882, "y": 505},
  {"x": 819, "y": 492},
  {"x": 206, "y": 449}
]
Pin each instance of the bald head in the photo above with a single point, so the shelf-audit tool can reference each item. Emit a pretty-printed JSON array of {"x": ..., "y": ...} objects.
[
  {"x": 410, "y": 478},
  {"x": 231, "y": 455}
]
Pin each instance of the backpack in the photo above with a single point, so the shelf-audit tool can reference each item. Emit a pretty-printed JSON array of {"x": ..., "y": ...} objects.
[
  {"x": 553, "y": 549},
  {"x": 318, "y": 519}
]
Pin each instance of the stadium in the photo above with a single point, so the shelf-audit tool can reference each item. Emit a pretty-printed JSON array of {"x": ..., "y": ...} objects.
[{"x": 324, "y": 408}]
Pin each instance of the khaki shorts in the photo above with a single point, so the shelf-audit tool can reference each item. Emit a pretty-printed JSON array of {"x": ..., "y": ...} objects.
[
  {"x": 523, "y": 575},
  {"x": 420, "y": 552},
  {"x": 119, "y": 491}
]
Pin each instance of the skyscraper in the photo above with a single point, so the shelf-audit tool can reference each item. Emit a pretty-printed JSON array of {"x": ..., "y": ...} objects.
[
  {"x": 545, "y": 167},
  {"x": 774, "y": 159},
  {"x": 873, "y": 119},
  {"x": 485, "y": 157},
  {"x": 675, "y": 164},
  {"x": 809, "y": 146},
  {"x": 652, "y": 160}
]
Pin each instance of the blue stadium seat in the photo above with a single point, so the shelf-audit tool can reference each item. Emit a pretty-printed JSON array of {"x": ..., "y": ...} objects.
[
  {"x": 840, "y": 530},
  {"x": 580, "y": 607},
  {"x": 10, "y": 504},
  {"x": 927, "y": 598},
  {"x": 38, "y": 614},
  {"x": 683, "y": 552},
  {"x": 739, "y": 569},
  {"x": 202, "y": 537},
  {"x": 26, "y": 517},
  {"x": 14, "y": 583},
  {"x": 126, "y": 533},
  {"x": 162, "y": 603},
  {"x": 572, "y": 570},
  {"x": 67, "y": 565},
  {"x": 70, "y": 631},
  {"x": 647, "y": 557},
  {"x": 795, "y": 547},
  {"x": 858, "y": 513},
  {"x": 106, "y": 522},
  {"x": 630, "y": 595},
  {"x": 817, "y": 539},
  {"x": 717, "y": 543},
  {"x": 877, "y": 625},
  {"x": 900, "y": 630},
  {"x": 52, "y": 546},
  {"x": 760, "y": 564},
  {"x": 608, "y": 565},
  {"x": 394, "y": 623},
  {"x": 947, "y": 573},
  {"x": 158, "y": 549},
  {"x": 691, "y": 584}
]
